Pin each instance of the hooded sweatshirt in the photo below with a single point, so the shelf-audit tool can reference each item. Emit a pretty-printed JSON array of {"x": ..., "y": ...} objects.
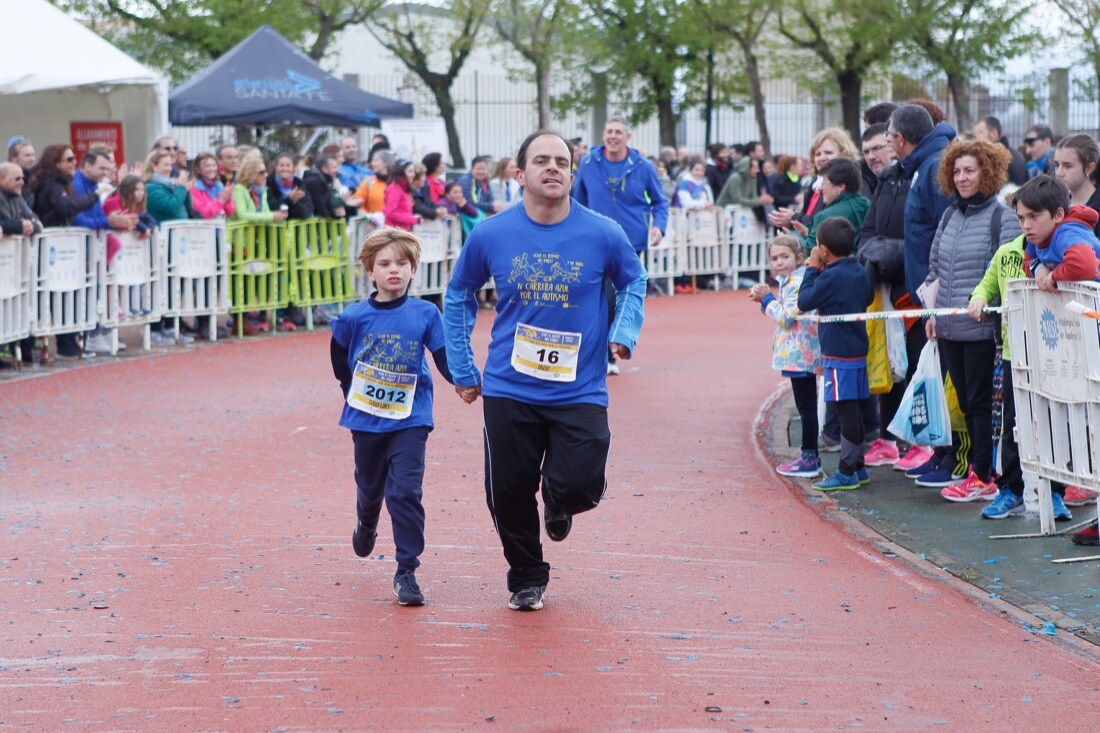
[
  {"x": 742, "y": 188},
  {"x": 925, "y": 204},
  {"x": 1072, "y": 252}
]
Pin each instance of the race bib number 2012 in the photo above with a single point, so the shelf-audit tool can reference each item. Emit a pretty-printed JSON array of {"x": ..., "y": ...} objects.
[
  {"x": 546, "y": 354},
  {"x": 382, "y": 393}
]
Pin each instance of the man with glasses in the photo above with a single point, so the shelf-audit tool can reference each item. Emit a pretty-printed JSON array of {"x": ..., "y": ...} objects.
[
  {"x": 16, "y": 217},
  {"x": 168, "y": 144},
  {"x": 877, "y": 156},
  {"x": 990, "y": 129},
  {"x": 1039, "y": 144}
]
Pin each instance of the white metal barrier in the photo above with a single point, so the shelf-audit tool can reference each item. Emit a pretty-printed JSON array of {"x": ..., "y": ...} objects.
[
  {"x": 703, "y": 248},
  {"x": 195, "y": 279},
  {"x": 66, "y": 287},
  {"x": 747, "y": 244},
  {"x": 1056, "y": 383},
  {"x": 130, "y": 283},
  {"x": 359, "y": 228},
  {"x": 17, "y": 266},
  {"x": 435, "y": 256},
  {"x": 662, "y": 263}
]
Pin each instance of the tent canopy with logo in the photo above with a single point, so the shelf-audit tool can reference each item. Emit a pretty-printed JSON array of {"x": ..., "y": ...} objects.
[{"x": 264, "y": 81}]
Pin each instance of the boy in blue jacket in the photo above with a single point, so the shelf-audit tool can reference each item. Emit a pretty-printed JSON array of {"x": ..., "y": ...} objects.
[
  {"x": 1061, "y": 245},
  {"x": 836, "y": 284}
]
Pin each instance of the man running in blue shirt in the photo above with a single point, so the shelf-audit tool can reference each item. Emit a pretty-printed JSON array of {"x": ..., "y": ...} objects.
[
  {"x": 545, "y": 383},
  {"x": 619, "y": 182}
]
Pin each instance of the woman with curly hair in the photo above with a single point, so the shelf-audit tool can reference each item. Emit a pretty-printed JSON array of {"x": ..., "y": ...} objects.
[
  {"x": 970, "y": 231},
  {"x": 830, "y": 143}
]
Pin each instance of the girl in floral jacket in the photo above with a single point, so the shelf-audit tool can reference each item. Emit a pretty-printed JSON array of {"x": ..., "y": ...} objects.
[{"x": 797, "y": 353}]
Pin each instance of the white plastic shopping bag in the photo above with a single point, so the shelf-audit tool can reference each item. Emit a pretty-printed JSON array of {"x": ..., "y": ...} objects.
[
  {"x": 895, "y": 344},
  {"x": 923, "y": 417}
]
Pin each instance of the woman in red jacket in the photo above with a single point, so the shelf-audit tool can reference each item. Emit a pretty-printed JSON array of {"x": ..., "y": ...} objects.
[{"x": 398, "y": 203}]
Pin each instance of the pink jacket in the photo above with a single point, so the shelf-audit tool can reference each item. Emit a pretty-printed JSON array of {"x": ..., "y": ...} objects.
[
  {"x": 208, "y": 207},
  {"x": 398, "y": 208}
]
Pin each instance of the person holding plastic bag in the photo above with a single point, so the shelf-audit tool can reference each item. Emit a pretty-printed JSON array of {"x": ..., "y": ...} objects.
[{"x": 968, "y": 234}]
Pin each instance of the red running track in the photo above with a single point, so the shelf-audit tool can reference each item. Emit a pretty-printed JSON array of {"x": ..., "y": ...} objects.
[{"x": 175, "y": 556}]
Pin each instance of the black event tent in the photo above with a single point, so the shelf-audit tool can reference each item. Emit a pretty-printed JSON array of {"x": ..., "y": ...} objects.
[{"x": 264, "y": 81}]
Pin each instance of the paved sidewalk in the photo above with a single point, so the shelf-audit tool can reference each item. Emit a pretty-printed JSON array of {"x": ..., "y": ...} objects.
[{"x": 174, "y": 555}]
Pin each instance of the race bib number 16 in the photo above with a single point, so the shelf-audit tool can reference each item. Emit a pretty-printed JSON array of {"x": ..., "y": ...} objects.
[{"x": 546, "y": 354}]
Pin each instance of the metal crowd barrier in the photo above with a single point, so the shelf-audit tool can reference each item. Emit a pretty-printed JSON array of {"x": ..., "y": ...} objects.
[
  {"x": 320, "y": 268},
  {"x": 722, "y": 243},
  {"x": 131, "y": 284},
  {"x": 17, "y": 277},
  {"x": 258, "y": 270},
  {"x": 66, "y": 281},
  {"x": 196, "y": 271},
  {"x": 1056, "y": 382}
]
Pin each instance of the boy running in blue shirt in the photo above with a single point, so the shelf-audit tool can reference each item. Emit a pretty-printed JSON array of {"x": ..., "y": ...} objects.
[
  {"x": 377, "y": 352},
  {"x": 836, "y": 284}
]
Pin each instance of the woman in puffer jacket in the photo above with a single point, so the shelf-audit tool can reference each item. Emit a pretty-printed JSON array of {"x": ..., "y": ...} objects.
[{"x": 973, "y": 171}]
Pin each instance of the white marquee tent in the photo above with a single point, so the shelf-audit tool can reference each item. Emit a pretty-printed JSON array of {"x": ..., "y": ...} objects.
[{"x": 57, "y": 71}]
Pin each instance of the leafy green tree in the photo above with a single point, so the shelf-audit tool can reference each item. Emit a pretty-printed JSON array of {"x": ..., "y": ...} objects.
[
  {"x": 1084, "y": 28},
  {"x": 414, "y": 33},
  {"x": 655, "y": 42},
  {"x": 533, "y": 28},
  {"x": 850, "y": 38},
  {"x": 964, "y": 38}
]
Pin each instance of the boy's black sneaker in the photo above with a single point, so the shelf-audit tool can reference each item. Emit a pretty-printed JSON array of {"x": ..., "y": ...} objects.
[
  {"x": 557, "y": 524},
  {"x": 527, "y": 599},
  {"x": 407, "y": 591},
  {"x": 362, "y": 539}
]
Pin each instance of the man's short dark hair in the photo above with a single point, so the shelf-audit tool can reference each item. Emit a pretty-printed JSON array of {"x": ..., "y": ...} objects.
[
  {"x": 994, "y": 125},
  {"x": 480, "y": 159},
  {"x": 878, "y": 114},
  {"x": 750, "y": 146},
  {"x": 912, "y": 122},
  {"x": 873, "y": 131},
  {"x": 521, "y": 156},
  {"x": 1043, "y": 193},
  {"x": 714, "y": 149},
  {"x": 92, "y": 157},
  {"x": 322, "y": 161},
  {"x": 837, "y": 235},
  {"x": 842, "y": 171},
  {"x": 738, "y": 148},
  {"x": 1042, "y": 132}
]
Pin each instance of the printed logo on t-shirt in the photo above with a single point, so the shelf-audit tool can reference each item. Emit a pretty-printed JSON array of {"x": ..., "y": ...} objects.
[
  {"x": 390, "y": 351},
  {"x": 544, "y": 278}
]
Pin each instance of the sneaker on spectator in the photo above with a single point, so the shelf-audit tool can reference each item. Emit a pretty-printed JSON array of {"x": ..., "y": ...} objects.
[
  {"x": 862, "y": 476},
  {"x": 287, "y": 325},
  {"x": 882, "y": 453},
  {"x": 63, "y": 356},
  {"x": 159, "y": 338},
  {"x": 1006, "y": 504},
  {"x": 917, "y": 456},
  {"x": 1061, "y": 512},
  {"x": 971, "y": 489},
  {"x": 825, "y": 444},
  {"x": 939, "y": 477},
  {"x": 1089, "y": 536},
  {"x": 837, "y": 482},
  {"x": 807, "y": 465},
  {"x": 1076, "y": 496},
  {"x": 185, "y": 338},
  {"x": 100, "y": 343}
]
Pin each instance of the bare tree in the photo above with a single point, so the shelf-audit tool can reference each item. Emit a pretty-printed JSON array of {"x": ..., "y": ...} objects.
[
  {"x": 531, "y": 27},
  {"x": 411, "y": 33},
  {"x": 333, "y": 16},
  {"x": 1084, "y": 18}
]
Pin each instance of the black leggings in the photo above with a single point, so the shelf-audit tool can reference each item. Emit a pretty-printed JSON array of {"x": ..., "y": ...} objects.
[
  {"x": 970, "y": 364},
  {"x": 805, "y": 399}
]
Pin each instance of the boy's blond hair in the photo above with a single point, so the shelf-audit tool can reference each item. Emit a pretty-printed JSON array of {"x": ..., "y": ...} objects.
[{"x": 405, "y": 242}]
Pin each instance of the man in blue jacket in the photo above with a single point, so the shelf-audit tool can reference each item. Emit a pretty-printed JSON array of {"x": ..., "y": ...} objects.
[
  {"x": 618, "y": 182},
  {"x": 95, "y": 167},
  {"x": 920, "y": 146}
]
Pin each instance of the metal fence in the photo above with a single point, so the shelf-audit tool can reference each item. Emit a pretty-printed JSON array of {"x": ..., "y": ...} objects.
[{"x": 494, "y": 112}]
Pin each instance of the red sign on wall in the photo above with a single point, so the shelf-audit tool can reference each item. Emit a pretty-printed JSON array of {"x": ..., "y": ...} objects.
[{"x": 86, "y": 135}]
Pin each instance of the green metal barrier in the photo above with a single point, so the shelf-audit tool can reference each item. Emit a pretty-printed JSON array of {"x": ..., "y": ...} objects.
[
  {"x": 259, "y": 269},
  {"x": 319, "y": 268}
]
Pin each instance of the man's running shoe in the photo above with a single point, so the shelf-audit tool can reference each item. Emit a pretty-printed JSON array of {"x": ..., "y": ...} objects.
[
  {"x": 938, "y": 477},
  {"x": 1061, "y": 512},
  {"x": 1089, "y": 536},
  {"x": 807, "y": 465},
  {"x": 825, "y": 444},
  {"x": 407, "y": 590},
  {"x": 971, "y": 489},
  {"x": 1076, "y": 496},
  {"x": 862, "y": 476},
  {"x": 557, "y": 524},
  {"x": 1006, "y": 504},
  {"x": 918, "y": 455},
  {"x": 837, "y": 482},
  {"x": 527, "y": 599},
  {"x": 882, "y": 453}
]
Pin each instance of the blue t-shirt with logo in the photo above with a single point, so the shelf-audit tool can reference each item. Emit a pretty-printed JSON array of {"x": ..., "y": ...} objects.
[
  {"x": 551, "y": 333},
  {"x": 391, "y": 341}
]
